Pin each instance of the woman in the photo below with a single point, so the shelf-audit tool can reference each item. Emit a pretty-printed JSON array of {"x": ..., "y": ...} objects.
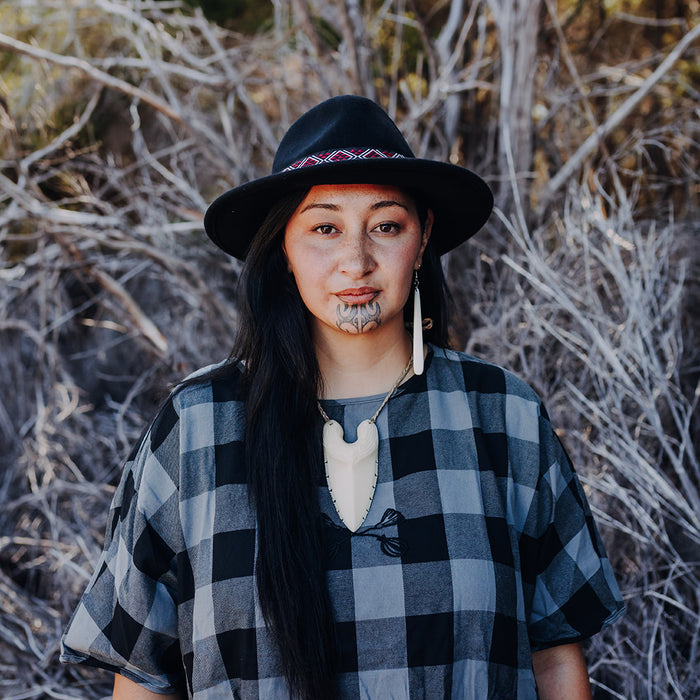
[{"x": 341, "y": 510}]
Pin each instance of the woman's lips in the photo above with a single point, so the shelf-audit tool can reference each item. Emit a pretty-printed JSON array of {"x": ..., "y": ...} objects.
[{"x": 358, "y": 295}]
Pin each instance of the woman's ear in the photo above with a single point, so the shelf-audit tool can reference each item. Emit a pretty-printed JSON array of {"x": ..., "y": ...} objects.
[
  {"x": 427, "y": 230},
  {"x": 286, "y": 258}
]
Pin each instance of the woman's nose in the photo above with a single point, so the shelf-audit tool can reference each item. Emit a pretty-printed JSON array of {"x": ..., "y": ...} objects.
[{"x": 356, "y": 255}]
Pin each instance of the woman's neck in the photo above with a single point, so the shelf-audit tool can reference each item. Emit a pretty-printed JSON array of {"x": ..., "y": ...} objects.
[{"x": 361, "y": 365}]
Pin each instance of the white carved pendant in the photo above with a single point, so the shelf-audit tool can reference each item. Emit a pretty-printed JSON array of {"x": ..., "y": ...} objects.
[{"x": 351, "y": 470}]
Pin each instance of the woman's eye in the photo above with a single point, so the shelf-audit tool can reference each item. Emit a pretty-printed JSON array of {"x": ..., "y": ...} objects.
[
  {"x": 387, "y": 227},
  {"x": 325, "y": 229}
]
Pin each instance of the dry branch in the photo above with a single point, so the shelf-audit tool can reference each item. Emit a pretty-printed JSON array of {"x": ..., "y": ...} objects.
[
  {"x": 10, "y": 44},
  {"x": 615, "y": 119}
]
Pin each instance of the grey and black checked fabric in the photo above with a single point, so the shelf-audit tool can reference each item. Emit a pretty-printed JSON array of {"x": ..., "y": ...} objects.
[{"x": 479, "y": 547}]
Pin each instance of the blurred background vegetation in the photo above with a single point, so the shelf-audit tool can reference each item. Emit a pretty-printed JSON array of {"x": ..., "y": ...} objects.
[{"x": 120, "y": 120}]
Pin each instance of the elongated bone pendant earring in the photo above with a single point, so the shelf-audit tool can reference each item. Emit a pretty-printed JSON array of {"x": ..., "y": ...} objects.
[{"x": 417, "y": 328}]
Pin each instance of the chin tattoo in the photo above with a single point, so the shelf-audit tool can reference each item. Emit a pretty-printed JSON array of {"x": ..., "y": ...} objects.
[{"x": 358, "y": 318}]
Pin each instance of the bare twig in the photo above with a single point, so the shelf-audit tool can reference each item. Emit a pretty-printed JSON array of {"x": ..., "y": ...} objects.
[
  {"x": 10, "y": 44},
  {"x": 615, "y": 119}
]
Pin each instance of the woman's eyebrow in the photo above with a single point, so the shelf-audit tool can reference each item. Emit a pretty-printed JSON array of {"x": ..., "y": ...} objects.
[
  {"x": 384, "y": 204},
  {"x": 388, "y": 203},
  {"x": 320, "y": 205}
]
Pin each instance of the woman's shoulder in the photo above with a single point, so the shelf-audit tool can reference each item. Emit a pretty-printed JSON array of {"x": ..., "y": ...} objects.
[
  {"x": 481, "y": 376},
  {"x": 207, "y": 396},
  {"x": 215, "y": 383}
]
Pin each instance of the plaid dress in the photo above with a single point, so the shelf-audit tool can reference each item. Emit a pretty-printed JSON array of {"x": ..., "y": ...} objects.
[{"x": 479, "y": 548}]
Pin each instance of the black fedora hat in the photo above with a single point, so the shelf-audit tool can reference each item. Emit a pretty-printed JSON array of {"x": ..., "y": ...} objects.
[{"x": 351, "y": 140}]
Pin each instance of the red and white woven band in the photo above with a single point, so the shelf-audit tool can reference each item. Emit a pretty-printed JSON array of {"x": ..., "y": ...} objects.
[{"x": 340, "y": 155}]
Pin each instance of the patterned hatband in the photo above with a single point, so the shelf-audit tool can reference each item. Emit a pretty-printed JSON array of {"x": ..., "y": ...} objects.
[{"x": 340, "y": 155}]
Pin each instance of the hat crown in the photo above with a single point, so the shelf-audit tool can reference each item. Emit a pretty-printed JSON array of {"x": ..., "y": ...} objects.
[{"x": 341, "y": 122}]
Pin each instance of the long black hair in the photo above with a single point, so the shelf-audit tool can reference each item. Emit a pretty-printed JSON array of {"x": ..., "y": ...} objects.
[{"x": 281, "y": 381}]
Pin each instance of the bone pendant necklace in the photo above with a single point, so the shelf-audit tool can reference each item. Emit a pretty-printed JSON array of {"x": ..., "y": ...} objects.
[{"x": 351, "y": 468}]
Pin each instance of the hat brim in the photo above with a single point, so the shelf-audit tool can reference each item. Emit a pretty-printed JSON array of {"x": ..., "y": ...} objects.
[{"x": 460, "y": 200}]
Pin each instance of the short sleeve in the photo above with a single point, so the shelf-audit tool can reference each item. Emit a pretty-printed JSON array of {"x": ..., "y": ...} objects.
[
  {"x": 126, "y": 620},
  {"x": 567, "y": 577}
]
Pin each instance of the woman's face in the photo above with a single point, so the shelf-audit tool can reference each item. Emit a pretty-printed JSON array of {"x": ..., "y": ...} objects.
[{"x": 352, "y": 250}]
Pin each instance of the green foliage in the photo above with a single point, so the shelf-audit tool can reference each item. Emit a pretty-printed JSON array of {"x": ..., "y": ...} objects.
[
  {"x": 244, "y": 16},
  {"x": 327, "y": 33}
]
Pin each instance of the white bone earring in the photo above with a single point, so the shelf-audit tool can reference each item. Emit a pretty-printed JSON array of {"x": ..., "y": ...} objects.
[{"x": 417, "y": 328}]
